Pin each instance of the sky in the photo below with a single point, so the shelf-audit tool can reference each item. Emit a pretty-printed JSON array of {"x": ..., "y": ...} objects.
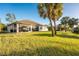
[{"x": 29, "y": 11}]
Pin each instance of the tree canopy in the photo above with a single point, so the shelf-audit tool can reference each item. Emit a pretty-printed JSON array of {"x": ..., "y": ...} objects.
[
  {"x": 52, "y": 11},
  {"x": 10, "y": 17},
  {"x": 2, "y": 26}
]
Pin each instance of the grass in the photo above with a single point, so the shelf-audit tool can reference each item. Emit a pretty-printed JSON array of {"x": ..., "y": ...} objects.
[{"x": 39, "y": 44}]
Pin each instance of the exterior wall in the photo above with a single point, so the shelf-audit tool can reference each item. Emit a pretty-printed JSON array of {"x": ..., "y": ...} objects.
[
  {"x": 17, "y": 28},
  {"x": 43, "y": 28},
  {"x": 29, "y": 28},
  {"x": 8, "y": 28},
  {"x": 11, "y": 27},
  {"x": 78, "y": 24}
]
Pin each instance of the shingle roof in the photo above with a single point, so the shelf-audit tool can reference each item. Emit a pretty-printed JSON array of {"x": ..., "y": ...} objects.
[{"x": 28, "y": 22}]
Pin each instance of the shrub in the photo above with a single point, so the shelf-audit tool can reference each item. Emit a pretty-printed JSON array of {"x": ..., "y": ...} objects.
[{"x": 2, "y": 26}]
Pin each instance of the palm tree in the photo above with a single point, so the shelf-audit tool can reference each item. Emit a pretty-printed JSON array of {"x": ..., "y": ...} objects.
[
  {"x": 64, "y": 21},
  {"x": 11, "y": 18},
  {"x": 52, "y": 11}
]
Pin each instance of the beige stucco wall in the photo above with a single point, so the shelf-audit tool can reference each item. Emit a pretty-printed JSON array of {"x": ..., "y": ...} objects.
[
  {"x": 44, "y": 28},
  {"x": 41, "y": 28},
  {"x": 9, "y": 27}
]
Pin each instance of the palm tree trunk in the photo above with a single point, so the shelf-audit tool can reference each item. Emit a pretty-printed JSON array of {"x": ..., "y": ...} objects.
[
  {"x": 52, "y": 29},
  {"x": 55, "y": 27}
]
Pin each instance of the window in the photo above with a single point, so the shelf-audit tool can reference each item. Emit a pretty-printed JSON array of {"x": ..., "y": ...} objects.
[{"x": 40, "y": 27}]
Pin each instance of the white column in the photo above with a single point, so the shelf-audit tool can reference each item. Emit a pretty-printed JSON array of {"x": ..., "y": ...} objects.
[
  {"x": 39, "y": 28},
  {"x": 17, "y": 28},
  {"x": 30, "y": 28},
  {"x": 78, "y": 23}
]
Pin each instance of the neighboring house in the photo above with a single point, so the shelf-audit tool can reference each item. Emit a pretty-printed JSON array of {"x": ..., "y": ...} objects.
[
  {"x": 76, "y": 27},
  {"x": 26, "y": 26}
]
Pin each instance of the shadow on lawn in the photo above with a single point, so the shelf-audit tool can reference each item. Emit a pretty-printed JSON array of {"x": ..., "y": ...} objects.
[
  {"x": 55, "y": 51},
  {"x": 44, "y": 51},
  {"x": 60, "y": 35},
  {"x": 68, "y": 36},
  {"x": 49, "y": 35}
]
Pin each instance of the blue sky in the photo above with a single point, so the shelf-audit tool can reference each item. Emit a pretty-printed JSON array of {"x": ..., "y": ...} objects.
[{"x": 30, "y": 11}]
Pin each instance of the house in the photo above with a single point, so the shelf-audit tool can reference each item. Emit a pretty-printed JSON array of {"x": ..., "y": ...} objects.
[
  {"x": 26, "y": 26},
  {"x": 76, "y": 25},
  {"x": 75, "y": 28}
]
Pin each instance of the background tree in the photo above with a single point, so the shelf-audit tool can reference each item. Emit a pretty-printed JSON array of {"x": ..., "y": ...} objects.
[
  {"x": 60, "y": 27},
  {"x": 10, "y": 18},
  {"x": 2, "y": 26},
  {"x": 64, "y": 21},
  {"x": 52, "y": 11},
  {"x": 72, "y": 22}
]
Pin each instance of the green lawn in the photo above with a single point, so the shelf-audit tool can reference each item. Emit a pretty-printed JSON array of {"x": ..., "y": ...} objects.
[{"x": 39, "y": 43}]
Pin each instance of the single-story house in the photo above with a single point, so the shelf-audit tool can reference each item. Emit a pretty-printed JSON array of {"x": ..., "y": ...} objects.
[
  {"x": 76, "y": 25},
  {"x": 26, "y": 26}
]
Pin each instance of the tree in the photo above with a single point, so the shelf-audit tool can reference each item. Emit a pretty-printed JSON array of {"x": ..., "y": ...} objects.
[
  {"x": 64, "y": 21},
  {"x": 52, "y": 11},
  {"x": 60, "y": 27},
  {"x": 10, "y": 18},
  {"x": 2, "y": 26},
  {"x": 72, "y": 22}
]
